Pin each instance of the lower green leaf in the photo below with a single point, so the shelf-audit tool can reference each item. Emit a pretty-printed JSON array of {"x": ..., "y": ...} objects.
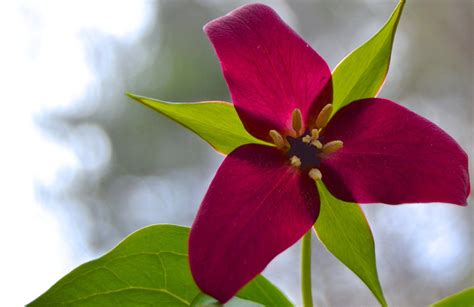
[
  {"x": 461, "y": 299},
  {"x": 343, "y": 229},
  {"x": 149, "y": 267},
  {"x": 217, "y": 122},
  {"x": 263, "y": 292}
]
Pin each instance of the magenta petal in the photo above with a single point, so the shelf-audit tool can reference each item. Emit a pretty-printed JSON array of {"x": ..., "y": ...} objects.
[
  {"x": 269, "y": 69},
  {"x": 256, "y": 207},
  {"x": 391, "y": 155}
]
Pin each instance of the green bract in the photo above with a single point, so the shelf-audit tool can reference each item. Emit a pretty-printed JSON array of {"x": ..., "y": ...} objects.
[
  {"x": 216, "y": 122},
  {"x": 343, "y": 229},
  {"x": 149, "y": 267},
  {"x": 362, "y": 73},
  {"x": 460, "y": 299}
]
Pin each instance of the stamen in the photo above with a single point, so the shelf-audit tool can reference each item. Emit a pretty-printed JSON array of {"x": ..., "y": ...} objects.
[
  {"x": 332, "y": 146},
  {"x": 317, "y": 144},
  {"x": 315, "y": 174},
  {"x": 277, "y": 139},
  {"x": 297, "y": 121},
  {"x": 315, "y": 134},
  {"x": 295, "y": 161},
  {"x": 306, "y": 139},
  {"x": 323, "y": 116}
]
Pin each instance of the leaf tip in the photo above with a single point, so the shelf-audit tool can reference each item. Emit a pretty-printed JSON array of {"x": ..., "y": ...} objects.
[
  {"x": 131, "y": 95},
  {"x": 399, "y": 8}
]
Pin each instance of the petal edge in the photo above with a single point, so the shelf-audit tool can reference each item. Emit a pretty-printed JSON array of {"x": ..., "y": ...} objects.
[{"x": 392, "y": 155}]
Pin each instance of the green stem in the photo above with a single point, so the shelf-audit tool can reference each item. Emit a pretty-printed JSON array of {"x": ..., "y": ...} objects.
[{"x": 306, "y": 270}]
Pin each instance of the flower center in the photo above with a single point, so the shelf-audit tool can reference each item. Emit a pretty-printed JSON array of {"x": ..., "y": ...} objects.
[{"x": 304, "y": 150}]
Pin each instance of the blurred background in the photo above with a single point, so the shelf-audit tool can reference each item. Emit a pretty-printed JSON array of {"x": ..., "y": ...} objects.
[{"x": 82, "y": 166}]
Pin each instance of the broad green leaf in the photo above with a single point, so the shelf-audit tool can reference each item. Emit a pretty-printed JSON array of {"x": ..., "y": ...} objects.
[
  {"x": 149, "y": 267},
  {"x": 343, "y": 229},
  {"x": 461, "y": 299},
  {"x": 362, "y": 73},
  {"x": 216, "y": 122}
]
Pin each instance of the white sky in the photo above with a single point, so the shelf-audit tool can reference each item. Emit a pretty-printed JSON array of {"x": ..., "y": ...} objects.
[{"x": 43, "y": 66}]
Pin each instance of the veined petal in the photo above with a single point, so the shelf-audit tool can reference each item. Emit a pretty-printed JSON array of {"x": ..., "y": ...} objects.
[
  {"x": 269, "y": 69},
  {"x": 392, "y": 155},
  {"x": 256, "y": 207}
]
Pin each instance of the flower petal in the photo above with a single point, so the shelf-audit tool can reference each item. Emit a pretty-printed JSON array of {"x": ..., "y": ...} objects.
[
  {"x": 269, "y": 69},
  {"x": 256, "y": 207},
  {"x": 391, "y": 155}
]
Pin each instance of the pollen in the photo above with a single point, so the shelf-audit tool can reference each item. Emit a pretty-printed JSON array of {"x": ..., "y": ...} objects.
[
  {"x": 317, "y": 144},
  {"x": 315, "y": 134},
  {"x": 315, "y": 174},
  {"x": 323, "y": 116},
  {"x": 332, "y": 146},
  {"x": 295, "y": 161},
  {"x": 297, "y": 121},
  {"x": 277, "y": 139},
  {"x": 306, "y": 139}
]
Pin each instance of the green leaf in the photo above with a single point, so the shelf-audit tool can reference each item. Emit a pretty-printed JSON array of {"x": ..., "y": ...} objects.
[
  {"x": 262, "y": 291},
  {"x": 343, "y": 229},
  {"x": 149, "y": 267},
  {"x": 362, "y": 73},
  {"x": 216, "y": 122},
  {"x": 460, "y": 299}
]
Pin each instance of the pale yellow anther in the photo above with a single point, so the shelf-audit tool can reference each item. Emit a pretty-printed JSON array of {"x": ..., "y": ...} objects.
[
  {"x": 295, "y": 161},
  {"x": 315, "y": 134},
  {"x": 317, "y": 144},
  {"x": 323, "y": 116},
  {"x": 306, "y": 139},
  {"x": 332, "y": 146},
  {"x": 277, "y": 139},
  {"x": 315, "y": 174},
  {"x": 297, "y": 121}
]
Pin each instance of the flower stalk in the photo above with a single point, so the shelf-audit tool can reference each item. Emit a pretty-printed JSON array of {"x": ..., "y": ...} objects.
[{"x": 306, "y": 270}]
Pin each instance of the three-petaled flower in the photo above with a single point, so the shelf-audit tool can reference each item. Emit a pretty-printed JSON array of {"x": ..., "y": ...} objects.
[{"x": 264, "y": 198}]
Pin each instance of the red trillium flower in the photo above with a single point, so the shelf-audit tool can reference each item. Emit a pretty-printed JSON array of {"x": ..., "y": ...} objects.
[{"x": 264, "y": 198}]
